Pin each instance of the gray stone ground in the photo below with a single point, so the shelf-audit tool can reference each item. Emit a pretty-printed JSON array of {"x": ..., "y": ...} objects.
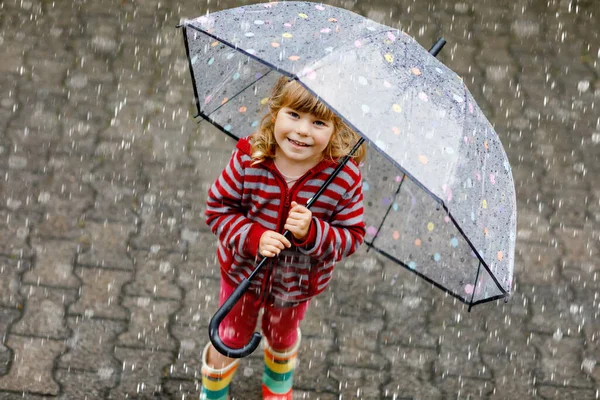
[{"x": 107, "y": 270}]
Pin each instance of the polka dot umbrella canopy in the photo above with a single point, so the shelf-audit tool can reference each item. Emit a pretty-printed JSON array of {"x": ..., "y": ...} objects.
[{"x": 439, "y": 193}]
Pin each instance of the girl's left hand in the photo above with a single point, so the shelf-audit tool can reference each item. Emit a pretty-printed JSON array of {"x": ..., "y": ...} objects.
[{"x": 298, "y": 221}]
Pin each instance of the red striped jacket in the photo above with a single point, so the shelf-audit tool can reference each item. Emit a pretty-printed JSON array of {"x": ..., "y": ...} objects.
[{"x": 245, "y": 201}]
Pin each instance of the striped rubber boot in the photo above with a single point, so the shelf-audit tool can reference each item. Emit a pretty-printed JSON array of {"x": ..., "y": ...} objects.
[
  {"x": 278, "y": 377},
  {"x": 215, "y": 382}
]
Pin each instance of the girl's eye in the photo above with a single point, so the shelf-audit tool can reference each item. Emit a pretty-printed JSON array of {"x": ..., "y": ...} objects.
[
  {"x": 293, "y": 114},
  {"x": 320, "y": 123}
]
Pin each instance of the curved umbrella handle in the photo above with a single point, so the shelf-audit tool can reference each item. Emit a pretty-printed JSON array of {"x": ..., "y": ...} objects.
[{"x": 215, "y": 321}]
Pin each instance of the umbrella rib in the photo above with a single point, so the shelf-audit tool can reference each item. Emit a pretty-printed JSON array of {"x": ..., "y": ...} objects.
[
  {"x": 474, "y": 286},
  {"x": 479, "y": 257},
  {"x": 236, "y": 48},
  {"x": 387, "y": 212},
  {"x": 238, "y": 93},
  {"x": 187, "y": 52},
  {"x": 434, "y": 283},
  {"x": 425, "y": 277}
]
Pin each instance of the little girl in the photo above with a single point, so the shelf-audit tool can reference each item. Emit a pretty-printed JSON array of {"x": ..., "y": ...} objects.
[{"x": 262, "y": 192}]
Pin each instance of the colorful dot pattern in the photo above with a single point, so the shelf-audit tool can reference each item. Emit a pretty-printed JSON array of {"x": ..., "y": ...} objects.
[{"x": 456, "y": 211}]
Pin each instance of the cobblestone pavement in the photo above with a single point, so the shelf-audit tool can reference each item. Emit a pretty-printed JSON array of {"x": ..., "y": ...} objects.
[{"x": 107, "y": 270}]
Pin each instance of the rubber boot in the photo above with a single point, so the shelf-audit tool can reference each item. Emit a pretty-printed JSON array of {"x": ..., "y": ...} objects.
[
  {"x": 215, "y": 382},
  {"x": 278, "y": 377}
]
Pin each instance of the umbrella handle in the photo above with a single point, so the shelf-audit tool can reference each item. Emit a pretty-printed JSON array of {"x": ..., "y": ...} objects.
[{"x": 215, "y": 321}]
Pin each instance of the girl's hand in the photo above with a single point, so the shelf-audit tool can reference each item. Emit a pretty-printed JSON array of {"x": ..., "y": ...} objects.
[
  {"x": 271, "y": 243},
  {"x": 298, "y": 221}
]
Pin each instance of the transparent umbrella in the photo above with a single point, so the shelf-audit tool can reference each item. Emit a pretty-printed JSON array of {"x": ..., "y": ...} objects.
[{"x": 439, "y": 193}]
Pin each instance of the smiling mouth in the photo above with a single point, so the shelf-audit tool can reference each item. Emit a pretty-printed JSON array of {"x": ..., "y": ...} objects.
[{"x": 298, "y": 143}]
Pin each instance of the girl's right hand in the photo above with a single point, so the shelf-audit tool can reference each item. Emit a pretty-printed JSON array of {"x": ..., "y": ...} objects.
[{"x": 271, "y": 243}]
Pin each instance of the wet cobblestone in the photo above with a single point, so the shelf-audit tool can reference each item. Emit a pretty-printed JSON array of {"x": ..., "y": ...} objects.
[{"x": 108, "y": 274}]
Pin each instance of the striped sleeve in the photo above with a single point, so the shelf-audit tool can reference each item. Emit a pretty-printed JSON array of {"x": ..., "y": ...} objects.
[
  {"x": 225, "y": 215},
  {"x": 344, "y": 233}
]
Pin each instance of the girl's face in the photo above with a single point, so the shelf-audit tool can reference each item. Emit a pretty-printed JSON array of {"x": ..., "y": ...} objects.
[{"x": 301, "y": 137}]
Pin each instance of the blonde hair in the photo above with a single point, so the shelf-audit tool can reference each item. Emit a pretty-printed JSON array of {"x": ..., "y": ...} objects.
[{"x": 289, "y": 93}]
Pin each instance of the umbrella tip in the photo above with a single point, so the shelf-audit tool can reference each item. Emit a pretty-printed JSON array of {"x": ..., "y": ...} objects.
[{"x": 435, "y": 49}]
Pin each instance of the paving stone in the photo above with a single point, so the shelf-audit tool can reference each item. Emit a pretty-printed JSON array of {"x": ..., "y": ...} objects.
[
  {"x": 358, "y": 335},
  {"x": 453, "y": 322},
  {"x": 406, "y": 321},
  {"x": 405, "y": 383},
  {"x": 12, "y": 60},
  {"x": 514, "y": 374},
  {"x": 160, "y": 224},
  {"x": 155, "y": 276},
  {"x": 247, "y": 381},
  {"x": 188, "y": 362},
  {"x": 108, "y": 245},
  {"x": 313, "y": 395},
  {"x": 578, "y": 245},
  {"x": 31, "y": 368},
  {"x": 127, "y": 123},
  {"x": 114, "y": 203},
  {"x": 96, "y": 115},
  {"x": 91, "y": 344},
  {"x": 60, "y": 226},
  {"x": 49, "y": 65},
  {"x": 420, "y": 360},
  {"x": 10, "y": 272},
  {"x": 583, "y": 276},
  {"x": 200, "y": 298},
  {"x": 78, "y": 134},
  {"x": 359, "y": 383},
  {"x": 7, "y": 317},
  {"x": 99, "y": 294},
  {"x": 532, "y": 228},
  {"x": 461, "y": 358},
  {"x": 550, "y": 309},
  {"x": 179, "y": 184},
  {"x": 111, "y": 153},
  {"x": 14, "y": 232},
  {"x": 539, "y": 263},
  {"x": 24, "y": 195},
  {"x": 29, "y": 132},
  {"x": 361, "y": 276},
  {"x": 148, "y": 323},
  {"x": 44, "y": 312},
  {"x": 212, "y": 162},
  {"x": 141, "y": 373},
  {"x": 586, "y": 313},
  {"x": 53, "y": 264},
  {"x": 464, "y": 388},
  {"x": 317, "y": 321},
  {"x": 567, "y": 393},
  {"x": 560, "y": 361},
  {"x": 571, "y": 207},
  {"x": 202, "y": 256},
  {"x": 169, "y": 143},
  {"x": 503, "y": 329},
  {"x": 209, "y": 146},
  {"x": 77, "y": 384},
  {"x": 182, "y": 389},
  {"x": 312, "y": 372},
  {"x": 358, "y": 358}
]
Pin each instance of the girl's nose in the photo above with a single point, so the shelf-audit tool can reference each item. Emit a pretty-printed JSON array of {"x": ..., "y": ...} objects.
[{"x": 303, "y": 127}]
